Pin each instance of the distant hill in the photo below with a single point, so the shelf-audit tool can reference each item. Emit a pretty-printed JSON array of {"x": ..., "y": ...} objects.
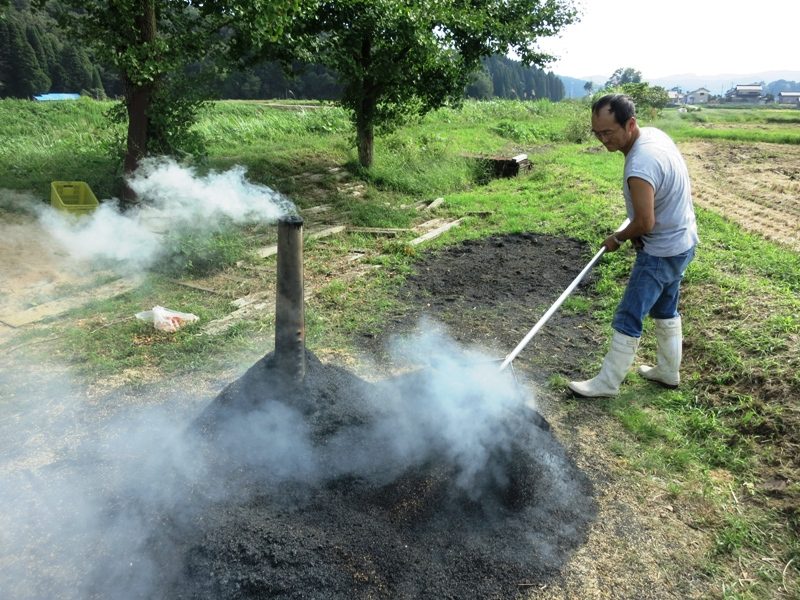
[
  {"x": 716, "y": 84},
  {"x": 719, "y": 84},
  {"x": 573, "y": 88}
]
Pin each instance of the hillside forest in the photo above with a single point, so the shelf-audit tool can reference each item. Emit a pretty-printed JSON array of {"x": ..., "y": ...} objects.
[{"x": 37, "y": 56}]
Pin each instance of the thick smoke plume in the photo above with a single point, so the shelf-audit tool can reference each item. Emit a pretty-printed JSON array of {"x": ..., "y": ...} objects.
[
  {"x": 452, "y": 407},
  {"x": 83, "y": 499},
  {"x": 174, "y": 199}
]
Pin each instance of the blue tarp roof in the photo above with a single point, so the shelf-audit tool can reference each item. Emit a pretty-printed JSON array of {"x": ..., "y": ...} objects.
[{"x": 47, "y": 97}]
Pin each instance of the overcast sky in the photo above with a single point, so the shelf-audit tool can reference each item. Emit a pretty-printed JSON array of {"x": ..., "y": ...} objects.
[{"x": 704, "y": 37}]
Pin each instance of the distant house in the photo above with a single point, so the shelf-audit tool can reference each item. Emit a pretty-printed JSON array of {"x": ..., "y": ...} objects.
[
  {"x": 749, "y": 93},
  {"x": 699, "y": 96},
  {"x": 789, "y": 98},
  {"x": 52, "y": 97},
  {"x": 675, "y": 98}
]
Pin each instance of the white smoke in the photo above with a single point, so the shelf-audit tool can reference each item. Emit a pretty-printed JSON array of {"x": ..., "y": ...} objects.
[
  {"x": 454, "y": 408},
  {"x": 185, "y": 198},
  {"x": 173, "y": 198},
  {"x": 105, "y": 235},
  {"x": 81, "y": 496}
]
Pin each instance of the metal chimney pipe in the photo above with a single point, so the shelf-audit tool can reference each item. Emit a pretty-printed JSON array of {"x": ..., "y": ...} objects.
[{"x": 290, "y": 330}]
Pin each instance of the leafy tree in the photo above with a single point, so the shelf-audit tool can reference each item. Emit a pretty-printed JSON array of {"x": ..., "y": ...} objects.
[
  {"x": 76, "y": 69},
  {"x": 149, "y": 43},
  {"x": 622, "y": 76},
  {"x": 5, "y": 57},
  {"x": 400, "y": 57},
  {"x": 480, "y": 86},
  {"x": 644, "y": 95},
  {"x": 97, "y": 84},
  {"x": 32, "y": 35},
  {"x": 27, "y": 77},
  {"x": 588, "y": 86}
]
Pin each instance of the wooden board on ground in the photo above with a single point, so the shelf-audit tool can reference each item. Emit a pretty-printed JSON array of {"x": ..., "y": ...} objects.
[
  {"x": 387, "y": 231},
  {"x": 62, "y": 305},
  {"x": 251, "y": 306},
  {"x": 246, "y": 307},
  {"x": 315, "y": 235},
  {"x": 433, "y": 233},
  {"x": 268, "y": 251},
  {"x": 435, "y": 204}
]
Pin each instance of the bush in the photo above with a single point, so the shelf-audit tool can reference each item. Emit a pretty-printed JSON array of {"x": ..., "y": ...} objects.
[
  {"x": 643, "y": 95},
  {"x": 578, "y": 130}
]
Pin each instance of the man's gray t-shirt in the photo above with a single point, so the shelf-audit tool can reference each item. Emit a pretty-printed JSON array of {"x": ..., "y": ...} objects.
[{"x": 655, "y": 158}]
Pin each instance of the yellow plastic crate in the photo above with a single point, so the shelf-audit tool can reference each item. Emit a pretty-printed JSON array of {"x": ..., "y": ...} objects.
[{"x": 72, "y": 196}]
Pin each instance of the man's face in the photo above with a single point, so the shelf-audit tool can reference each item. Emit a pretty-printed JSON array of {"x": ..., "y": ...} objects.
[{"x": 612, "y": 135}]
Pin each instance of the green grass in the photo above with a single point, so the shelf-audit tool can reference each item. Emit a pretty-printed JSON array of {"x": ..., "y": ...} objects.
[
  {"x": 735, "y": 412},
  {"x": 770, "y": 125},
  {"x": 52, "y": 141}
]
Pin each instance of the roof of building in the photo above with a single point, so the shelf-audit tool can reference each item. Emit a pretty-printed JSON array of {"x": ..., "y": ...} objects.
[
  {"x": 789, "y": 94},
  {"x": 707, "y": 91},
  {"x": 50, "y": 97},
  {"x": 749, "y": 88}
]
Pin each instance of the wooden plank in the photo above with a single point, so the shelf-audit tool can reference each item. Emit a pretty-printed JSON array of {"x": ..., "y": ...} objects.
[
  {"x": 62, "y": 305},
  {"x": 268, "y": 251},
  {"x": 388, "y": 231},
  {"x": 249, "y": 299},
  {"x": 433, "y": 233},
  {"x": 435, "y": 204},
  {"x": 428, "y": 225},
  {"x": 328, "y": 231},
  {"x": 419, "y": 205},
  {"x": 247, "y": 307}
]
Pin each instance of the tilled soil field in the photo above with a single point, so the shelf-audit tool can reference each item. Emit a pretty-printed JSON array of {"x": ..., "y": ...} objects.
[{"x": 756, "y": 185}]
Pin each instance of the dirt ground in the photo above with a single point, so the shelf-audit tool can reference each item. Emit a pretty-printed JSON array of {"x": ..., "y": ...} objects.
[
  {"x": 33, "y": 269},
  {"x": 754, "y": 185},
  {"x": 489, "y": 293}
]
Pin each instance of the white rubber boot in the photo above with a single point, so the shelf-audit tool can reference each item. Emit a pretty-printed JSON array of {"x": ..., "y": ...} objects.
[
  {"x": 615, "y": 366},
  {"x": 669, "y": 351}
]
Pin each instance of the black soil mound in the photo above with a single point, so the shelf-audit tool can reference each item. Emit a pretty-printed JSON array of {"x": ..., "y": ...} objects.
[
  {"x": 346, "y": 489},
  {"x": 493, "y": 290}
]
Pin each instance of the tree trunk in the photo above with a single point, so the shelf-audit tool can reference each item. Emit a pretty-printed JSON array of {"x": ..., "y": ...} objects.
[
  {"x": 365, "y": 107},
  {"x": 365, "y": 117},
  {"x": 137, "y": 98},
  {"x": 138, "y": 95}
]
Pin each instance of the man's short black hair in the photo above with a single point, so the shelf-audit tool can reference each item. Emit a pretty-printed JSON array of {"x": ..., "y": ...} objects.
[{"x": 619, "y": 105}]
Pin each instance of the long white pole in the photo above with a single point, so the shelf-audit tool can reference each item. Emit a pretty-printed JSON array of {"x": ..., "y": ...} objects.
[{"x": 550, "y": 311}]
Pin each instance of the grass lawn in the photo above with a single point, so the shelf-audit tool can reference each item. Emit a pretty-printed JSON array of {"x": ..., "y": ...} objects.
[{"x": 730, "y": 429}]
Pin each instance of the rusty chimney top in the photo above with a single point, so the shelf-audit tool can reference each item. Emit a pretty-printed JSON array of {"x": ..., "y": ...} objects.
[{"x": 290, "y": 330}]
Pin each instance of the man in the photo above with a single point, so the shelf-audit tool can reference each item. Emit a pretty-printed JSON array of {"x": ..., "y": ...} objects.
[{"x": 662, "y": 228}]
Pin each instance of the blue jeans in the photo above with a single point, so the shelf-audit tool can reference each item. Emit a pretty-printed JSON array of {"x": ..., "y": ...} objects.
[{"x": 653, "y": 288}]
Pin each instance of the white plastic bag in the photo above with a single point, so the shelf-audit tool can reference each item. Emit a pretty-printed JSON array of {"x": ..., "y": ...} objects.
[{"x": 165, "y": 319}]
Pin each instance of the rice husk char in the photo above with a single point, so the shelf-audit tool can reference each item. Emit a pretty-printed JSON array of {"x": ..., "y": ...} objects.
[{"x": 370, "y": 520}]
